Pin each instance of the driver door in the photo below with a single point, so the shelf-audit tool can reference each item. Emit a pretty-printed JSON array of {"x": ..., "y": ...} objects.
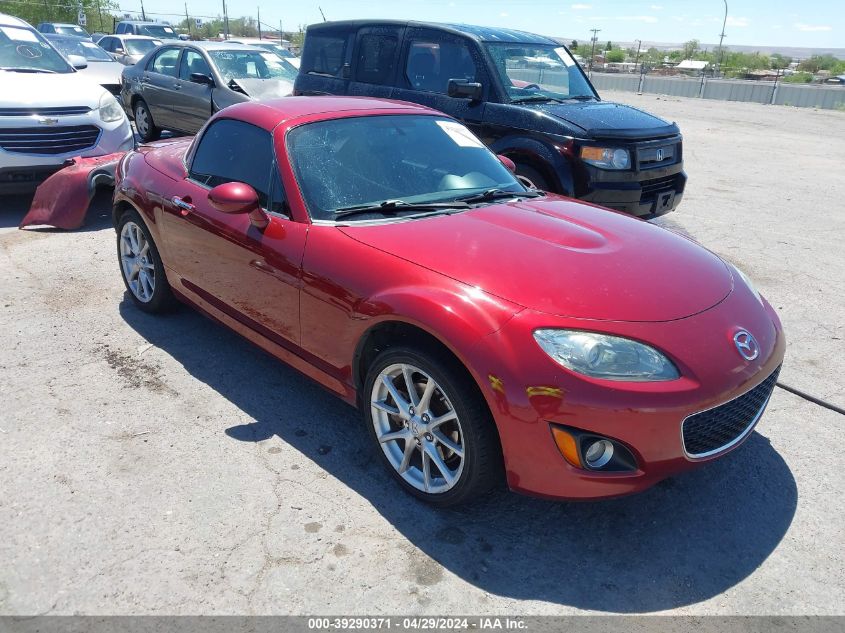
[{"x": 222, "y": 260}]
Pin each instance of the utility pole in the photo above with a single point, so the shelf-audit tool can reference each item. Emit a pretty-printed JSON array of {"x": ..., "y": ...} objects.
[
  {"x": 595, "y": 33},
  {"x": 187, "y": 20},
  {"x": 259, "y": 22},
  {"x": 721, "y": 37},
  {"x": 143, "y": 13},
  {"x": 637, "y": 60},
  {"x": 281, "y": 33},
  {"x": 225, "y": 21}
]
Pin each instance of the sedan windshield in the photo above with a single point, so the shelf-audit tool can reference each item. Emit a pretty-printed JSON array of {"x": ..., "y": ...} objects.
[
  {"x": 393, "y": 164},
  {"x": 83, "y": 48},
  {"x": 158, "y": 30},
  {"x": 538, "y": 72},
  {"x": 77, "y": 31},
  {"x": 247, "y": 64},
  {"x": 140, "y": 47},
  {"x": 24, "y": 50}
]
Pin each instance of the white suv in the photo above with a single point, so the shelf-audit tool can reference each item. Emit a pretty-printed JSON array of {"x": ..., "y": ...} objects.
[{"x": 49, "y": 113}]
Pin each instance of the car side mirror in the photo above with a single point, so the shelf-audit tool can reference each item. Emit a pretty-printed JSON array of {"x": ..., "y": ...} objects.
[
  {"x": 237, "y": 198},
  {"x": 118, "y": 50},
  {"x": 202, "y": 78},
  {"x": 78, "y": 61},
  {"x": 507, "y": 162},
  {"x": 463, "y": 89}
]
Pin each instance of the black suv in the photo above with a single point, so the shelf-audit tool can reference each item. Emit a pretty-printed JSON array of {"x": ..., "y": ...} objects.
[{"x": 522, "y": 94}]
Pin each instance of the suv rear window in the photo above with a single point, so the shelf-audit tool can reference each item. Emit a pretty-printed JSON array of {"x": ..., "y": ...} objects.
[{"x": 325, "y": 54}]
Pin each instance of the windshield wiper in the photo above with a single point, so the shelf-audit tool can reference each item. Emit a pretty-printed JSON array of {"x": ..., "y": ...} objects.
[
  {"x": 496, "y": 194},
  {"x": 582, "y": 98},
  {"x": 22, "y": 69},
  {"x": 391, "y": 207},
  {"x": 535, "y": 99}
]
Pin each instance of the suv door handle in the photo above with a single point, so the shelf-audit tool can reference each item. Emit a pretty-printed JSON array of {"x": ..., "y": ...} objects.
[{"x": 184, "y": 205}]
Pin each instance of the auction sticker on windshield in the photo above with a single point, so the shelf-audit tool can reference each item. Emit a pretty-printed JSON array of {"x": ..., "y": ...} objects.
[
  {"x": 19, "y": 35},
  {"x": 458, "y": 133}
]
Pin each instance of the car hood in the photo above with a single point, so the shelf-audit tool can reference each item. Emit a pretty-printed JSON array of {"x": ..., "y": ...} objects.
[
  {"x": 603, "y": 119},
  {"x": 562, "y": 257},
  {"x": 48, "y": 90},
  {"x": 104, "y": 73},
  {"x": 265, "y": 88}
]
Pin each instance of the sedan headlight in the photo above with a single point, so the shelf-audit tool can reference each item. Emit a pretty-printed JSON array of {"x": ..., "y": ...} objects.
[
  {"x": 605, "y": 356},
  {"x": 749, "y": 284},
  {"x": 110, "y": 110},
  {"x": 606, "y": 157}
]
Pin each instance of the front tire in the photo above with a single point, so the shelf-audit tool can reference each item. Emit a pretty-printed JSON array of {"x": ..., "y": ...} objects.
[
  {"x": 431, "y": 426},
  {"x": 144, "y": 123},
  {"x": 140, "y": 265},
  {"x": 531, "y": 178}
]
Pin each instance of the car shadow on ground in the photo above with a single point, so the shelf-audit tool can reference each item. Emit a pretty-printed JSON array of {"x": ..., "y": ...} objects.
[
  {"x": 684, "y": 541},
  {"x": 14, "y": 208}
]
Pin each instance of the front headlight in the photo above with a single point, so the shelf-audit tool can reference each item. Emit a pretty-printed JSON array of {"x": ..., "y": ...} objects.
[
  {"x": 605, "y": 356},
  {"x": 110, "y": 109},
  {"x": 606, "y": 157},
  {"x": 748, "y": 283}
]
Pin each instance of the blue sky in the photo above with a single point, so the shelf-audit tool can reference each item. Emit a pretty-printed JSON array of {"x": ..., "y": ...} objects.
[{"x": 810, "y": 23}]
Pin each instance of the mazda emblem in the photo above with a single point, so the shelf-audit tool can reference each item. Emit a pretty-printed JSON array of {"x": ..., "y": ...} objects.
[{"x": 746, "y": 345}]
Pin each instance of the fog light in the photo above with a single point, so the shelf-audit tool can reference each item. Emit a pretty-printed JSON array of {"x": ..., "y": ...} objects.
[{"x": 598, "y": 453}]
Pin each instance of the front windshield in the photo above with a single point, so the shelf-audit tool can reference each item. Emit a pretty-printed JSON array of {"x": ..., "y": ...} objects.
[
  {"x": 159, "y": 30},
  {"x": 538, "y": 72},
  {"x": 25, "y": 50},
  {"x": 368, "y": 160},
  {"x": 140, "y": 47},
  {"x": 90, "y": 51},
  {"x": 246, "y": 64},
  {"x": 78, "y": 31}
]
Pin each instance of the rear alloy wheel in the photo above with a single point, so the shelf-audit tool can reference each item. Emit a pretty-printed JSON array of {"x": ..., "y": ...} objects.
[
  {"x": 147, "y": 129},
  {"x": 432, "y": 427},
  {"x": 141, "y": 266}
]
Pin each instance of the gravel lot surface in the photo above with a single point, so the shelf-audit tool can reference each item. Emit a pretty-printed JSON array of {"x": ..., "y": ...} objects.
[{"x": 164, "y": 465}]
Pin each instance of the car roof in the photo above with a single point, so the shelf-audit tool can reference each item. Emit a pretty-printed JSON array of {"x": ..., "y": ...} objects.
[
  {"x": 144, "y": 22},
  {"x": 480, "y": 33},
  {"x": 10, "y": 20},
  {"x": 290, "y": 110},
  {"x": 132, "y": 36},
  {"x": 61, "y": 24},
  {"x": 212, "y": 46}
]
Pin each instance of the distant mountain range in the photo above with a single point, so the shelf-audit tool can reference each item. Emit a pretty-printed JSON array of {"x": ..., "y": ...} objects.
[{"x": 796, "y": 52}]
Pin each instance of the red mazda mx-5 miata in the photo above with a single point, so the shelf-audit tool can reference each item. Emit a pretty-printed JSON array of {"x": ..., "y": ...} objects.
[{"x": 485, "y": 330}]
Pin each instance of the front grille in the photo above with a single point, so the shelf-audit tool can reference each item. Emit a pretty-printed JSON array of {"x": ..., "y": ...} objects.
[
  {"x": 49, "y": 140},
  {"x": 652, "y": 188},
  {"x": 649, "y": 156},
  {"x": 30, "y": 111},
  {"x": 717, "y": 429}
]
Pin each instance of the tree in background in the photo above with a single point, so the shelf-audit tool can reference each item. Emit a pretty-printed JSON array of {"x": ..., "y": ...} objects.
[
  {"x": 573, "y": 45},
  {"x": 98, "y": 13},
  {"x": 609, "y": 46},
  {"x": 690, "y": 49},
  {"x": 617, "y": 55}
]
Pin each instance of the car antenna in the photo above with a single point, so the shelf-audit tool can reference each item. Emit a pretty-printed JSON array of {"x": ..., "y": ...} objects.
[{"x": 323, "y": 14}]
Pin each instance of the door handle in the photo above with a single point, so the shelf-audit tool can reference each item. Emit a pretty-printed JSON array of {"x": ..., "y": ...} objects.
[
  {"x": 184, "y": 205},
  {"x": 177, "y": 86}
]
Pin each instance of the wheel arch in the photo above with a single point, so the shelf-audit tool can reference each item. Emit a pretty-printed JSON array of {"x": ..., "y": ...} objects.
[{"x": 538, "y": 155}]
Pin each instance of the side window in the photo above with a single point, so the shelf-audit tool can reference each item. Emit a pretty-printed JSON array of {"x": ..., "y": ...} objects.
[
  {"x": 165, "y": 62},
  {"x": 376, "y": 59},
  {"x": 121, "y": 28},
  {"x": 234, "y": 151},
  {"x": 325, "y": 54},
  {"x": 105, "y": 44},
  {"x": 431, "y": 64},
  {"x": 193, "y": 62}
]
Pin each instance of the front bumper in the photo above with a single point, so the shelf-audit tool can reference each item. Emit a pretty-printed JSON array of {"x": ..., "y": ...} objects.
[
  {"x": 645, "y": 194},
  {"x": 22, "y": 172},
  {"x": 527, "y": 392}
]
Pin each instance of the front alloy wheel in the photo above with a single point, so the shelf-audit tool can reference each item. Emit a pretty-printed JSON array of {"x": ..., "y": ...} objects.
[
  {"x": 418, "y": 428},
  {"x": 141, "y": 266},
  {"x": 431, "y": 426}
]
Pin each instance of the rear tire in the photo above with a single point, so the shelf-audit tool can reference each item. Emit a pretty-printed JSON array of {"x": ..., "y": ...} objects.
[
  {"x": 144, "y": 123},
  {"x": 141, "y": 267},
  {"x": 531, "y": 178},
  {"x": 440, "y": 443}
]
